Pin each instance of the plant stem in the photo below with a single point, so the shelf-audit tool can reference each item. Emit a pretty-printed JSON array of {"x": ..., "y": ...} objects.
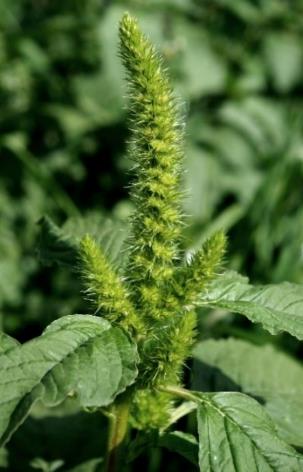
[
  {"x": 179, "y": 392},
  {"x": 117, "y": 433},
  {"x": 184, "y": 409}
]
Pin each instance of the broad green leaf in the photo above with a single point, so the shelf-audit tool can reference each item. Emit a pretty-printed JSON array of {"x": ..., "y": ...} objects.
[
  {"x": 237, "y": 435},
  {"x": 283, "y": 53},
  {"x": 277, "y": 307},
  {"x": 60, "y": 245},
  {"x": 7, "y": 343},
  {"x": 262, "y": 371},
  {"x": 76, "y": 355},
  {"x": 183, "y": 443}
]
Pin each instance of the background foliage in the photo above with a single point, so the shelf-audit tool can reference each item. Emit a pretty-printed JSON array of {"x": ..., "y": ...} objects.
[{"x": 238, "y": 69}]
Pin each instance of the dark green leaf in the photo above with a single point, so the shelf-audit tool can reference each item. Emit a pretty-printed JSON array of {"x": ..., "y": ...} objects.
[
  {"x": 60, "y": 245},
  {"x": 237, "y": 435},
  {"x": 76, "y": 355},
  {"x": 54, "y": 246},
  {"x": 262, "y": 371},
  {"x": 183, "y": 443},
  {"x": 92, "y": 465},
  {"x": 277, "y": 307}
]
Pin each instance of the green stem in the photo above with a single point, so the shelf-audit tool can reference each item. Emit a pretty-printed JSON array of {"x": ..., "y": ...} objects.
[
  {"x": 184, "y": 409},
  {"x": 117, "y": 433},
  {"x": 179, "y": 392}
]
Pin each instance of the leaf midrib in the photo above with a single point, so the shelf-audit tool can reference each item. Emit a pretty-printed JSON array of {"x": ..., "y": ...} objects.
[{"x": 237, "y": 425}]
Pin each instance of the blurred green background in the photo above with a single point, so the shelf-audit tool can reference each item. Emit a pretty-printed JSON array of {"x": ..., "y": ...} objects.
[{"x": 237, "y": 67}]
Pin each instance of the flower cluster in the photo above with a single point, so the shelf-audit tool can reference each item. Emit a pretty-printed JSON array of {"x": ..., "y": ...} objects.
[{"x": 154, "y": 300}]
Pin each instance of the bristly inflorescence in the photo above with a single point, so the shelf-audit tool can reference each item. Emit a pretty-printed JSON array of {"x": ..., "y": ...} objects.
[
  {"x": 105, "y": 288},
  {"x": 154, "y": 299},
  {"x": 156, "y": 149}
]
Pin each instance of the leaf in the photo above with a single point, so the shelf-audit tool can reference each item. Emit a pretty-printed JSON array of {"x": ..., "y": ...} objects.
[
  {"x": 60, "y": 245},
  {"x": 54, "y": 246},
  {"x": 183, "y": 443},
  {"x": 92, "y": 465},
  {"x": 237, "y": 435},
  {"x": 3, "y": 458},
  {"x": 7, "y": 343},
  {"x": 262, "y": 371},
  {"x": 142, "y": 441},
  {"x": 11, "y": 277},
  {"x": 202, "y": 69},
  {"x": 277, "y": 307},
  {"x": 201, "y": 171},
  {"x": 176, "y": 441},
  {"x": 46, "y": 466},
  {"x": 76, "y": 355},
  {"x": 283, "y": 53}
]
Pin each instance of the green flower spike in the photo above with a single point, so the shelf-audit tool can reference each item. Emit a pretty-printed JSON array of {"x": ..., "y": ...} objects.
[
  {"x": 105, "y": 288},
  {"x": 156, "y": 149},
  {"x": 155, "y": 298}
]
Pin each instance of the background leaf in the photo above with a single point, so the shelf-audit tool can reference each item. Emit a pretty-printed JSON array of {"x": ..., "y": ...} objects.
[
  {"x": 61, "y": 245},
  {"x": 284, "y": 56},
  {"x": 55, "y": 435},
  {"x": 182, "y": 443}
]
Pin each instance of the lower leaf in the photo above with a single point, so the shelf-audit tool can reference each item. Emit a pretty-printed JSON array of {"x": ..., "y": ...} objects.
[
  {"x": 79, "y": 355},
  {"x": 183, "y": 443},
  {"x": 261, "y": 371}
]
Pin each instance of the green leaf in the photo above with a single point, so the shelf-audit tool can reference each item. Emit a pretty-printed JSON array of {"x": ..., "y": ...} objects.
[
  {"x": 237, "y": 435},
  {"x": 11, "y": 277},
  {"x": 283, "y": 52},
  {"x": 277, "y": 307},
  {"x": 262, "y": 371},
  {"x": 76, "y": 355},
  {"x": 61, "y": 245},
  {"x": 7, "y": 343},
  {"x": 92, "y": 465},
  {"x": 3, "y": 458},
  {"x": 46, "y": 466},
  {"x": 176, "y": 441},
  {"x": 54, "y": 246},
  {"x": 201, "y": 171},
  {"x": 183, "y": 443},
  {"x": 202, "y": 69}
]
